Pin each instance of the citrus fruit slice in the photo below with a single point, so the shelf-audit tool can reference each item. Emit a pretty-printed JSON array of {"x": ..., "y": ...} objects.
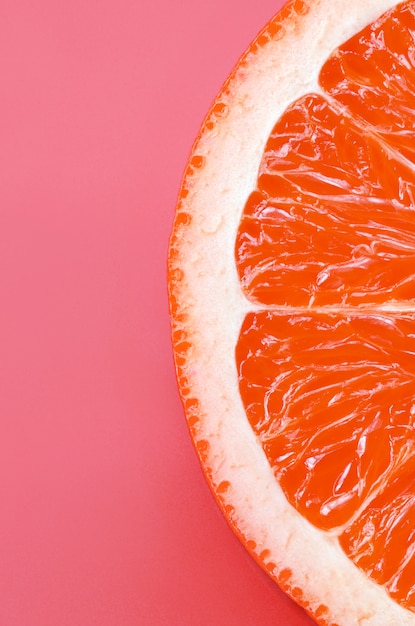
[{"x": 292, "y": 292}]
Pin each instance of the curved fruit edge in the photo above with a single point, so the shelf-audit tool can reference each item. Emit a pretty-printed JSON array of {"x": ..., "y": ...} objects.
[
  {"x": 182, "y": 341},
  {"x": 179, "y": 341}
]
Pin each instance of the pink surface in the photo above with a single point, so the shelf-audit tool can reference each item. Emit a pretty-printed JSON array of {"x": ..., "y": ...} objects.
[{"x": 105, "y": 517}]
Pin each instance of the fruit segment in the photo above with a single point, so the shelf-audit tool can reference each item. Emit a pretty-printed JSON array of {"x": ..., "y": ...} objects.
[
  {"x": 373, "y": 76},
  {"x": 332, "y": 221},
  {"x": 382, "y": 540},
  {"x": 331, "y": 399}
]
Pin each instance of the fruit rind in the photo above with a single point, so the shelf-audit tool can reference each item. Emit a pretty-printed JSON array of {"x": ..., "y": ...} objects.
[{"x": 208, "y": 307}]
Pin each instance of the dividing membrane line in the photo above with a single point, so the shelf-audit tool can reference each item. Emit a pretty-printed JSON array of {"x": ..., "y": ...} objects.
[{"x": 395, "y": 309}]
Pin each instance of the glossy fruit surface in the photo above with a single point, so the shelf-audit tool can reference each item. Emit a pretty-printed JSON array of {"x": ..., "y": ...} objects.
[{"x": 293, "y": 302}]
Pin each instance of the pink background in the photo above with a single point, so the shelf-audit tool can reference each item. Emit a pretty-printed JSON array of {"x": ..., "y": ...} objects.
[{"x": 105, "y": 516}]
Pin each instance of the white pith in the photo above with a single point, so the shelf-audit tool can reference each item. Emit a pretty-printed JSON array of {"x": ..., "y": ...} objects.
[{"x": 212, "y": 307}]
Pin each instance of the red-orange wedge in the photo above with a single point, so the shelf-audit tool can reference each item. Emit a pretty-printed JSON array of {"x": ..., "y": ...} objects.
[{"x": 292, "y": 291}]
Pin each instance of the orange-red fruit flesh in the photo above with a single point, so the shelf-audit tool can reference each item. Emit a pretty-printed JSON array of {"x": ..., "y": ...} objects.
[
  {"x": 329, "y": 385},
  {"x": 331, "y": 399},
  {"x": 332, "y": 219}
]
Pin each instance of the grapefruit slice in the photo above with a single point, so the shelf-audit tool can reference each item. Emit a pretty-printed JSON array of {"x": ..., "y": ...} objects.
[{"x": 292, "y": 293}]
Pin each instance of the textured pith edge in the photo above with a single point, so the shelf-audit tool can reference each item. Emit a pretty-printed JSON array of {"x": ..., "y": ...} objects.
[{"x": 207, "y": 309}]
